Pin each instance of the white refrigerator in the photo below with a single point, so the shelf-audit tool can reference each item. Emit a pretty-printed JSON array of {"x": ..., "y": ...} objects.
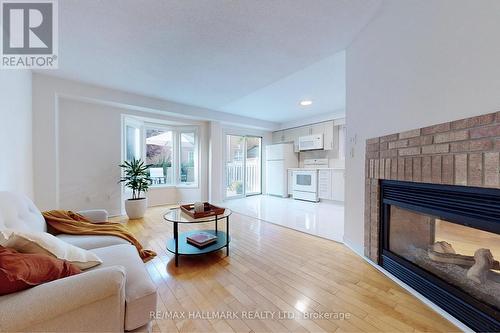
[{"x": 279, "y": 158}]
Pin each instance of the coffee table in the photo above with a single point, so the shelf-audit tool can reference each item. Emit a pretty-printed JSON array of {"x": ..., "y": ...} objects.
[{"x": 179, "y": 246}]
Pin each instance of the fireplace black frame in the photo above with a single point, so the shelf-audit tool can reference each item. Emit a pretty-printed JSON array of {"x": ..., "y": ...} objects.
[{"x": 468, "y": 206}]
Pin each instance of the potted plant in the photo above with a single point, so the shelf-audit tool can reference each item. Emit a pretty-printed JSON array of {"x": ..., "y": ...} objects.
[{"x": 136, "y": 177}]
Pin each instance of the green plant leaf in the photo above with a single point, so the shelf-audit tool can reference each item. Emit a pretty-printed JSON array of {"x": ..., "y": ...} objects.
[{"x": 136, "y": 176}]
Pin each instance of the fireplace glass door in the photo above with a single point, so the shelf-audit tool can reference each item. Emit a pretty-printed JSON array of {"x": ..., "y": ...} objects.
[{"x": 464, "y": 257}]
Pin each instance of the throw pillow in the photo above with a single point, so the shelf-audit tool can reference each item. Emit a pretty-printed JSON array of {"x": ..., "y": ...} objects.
[
  {"x": 45, "y": 243},
  {"x": 20, "y": 271}
]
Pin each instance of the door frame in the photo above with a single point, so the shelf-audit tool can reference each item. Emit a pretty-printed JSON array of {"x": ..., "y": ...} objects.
[
  {"x": 260, "y": 166},
  {"x": 224, "y": 166},
  {"x": 226, "y": 133}
]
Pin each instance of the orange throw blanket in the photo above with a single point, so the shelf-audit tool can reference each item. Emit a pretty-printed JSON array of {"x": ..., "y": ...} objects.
[{"x": 67, "y": 222}]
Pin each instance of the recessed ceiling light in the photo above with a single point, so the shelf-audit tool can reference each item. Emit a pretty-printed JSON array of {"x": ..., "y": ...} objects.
[{"x": 305, "y": 102}]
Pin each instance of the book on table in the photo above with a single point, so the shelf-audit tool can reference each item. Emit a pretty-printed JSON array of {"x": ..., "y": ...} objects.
[{"x": 201, "y": 239}]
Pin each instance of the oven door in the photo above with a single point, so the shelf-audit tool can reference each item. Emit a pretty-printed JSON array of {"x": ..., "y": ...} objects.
[{"x": 305, "y": 181}]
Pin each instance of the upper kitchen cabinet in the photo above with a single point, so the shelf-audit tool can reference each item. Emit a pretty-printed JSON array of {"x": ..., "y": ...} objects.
[
  {"x": 318, "y": 128},
  {"x": 278, "y": 137},
  {"x": 329, "y": 136},
  {"x": 327, "y": 128},
  {"x": 298, "y": 132},
  {"x": 289, "y": 135}
]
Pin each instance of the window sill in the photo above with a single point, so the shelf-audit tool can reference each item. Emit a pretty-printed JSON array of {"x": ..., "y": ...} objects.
[
  {"x": 154, "y": 187},
  {"x": 188, "y": 186},
  {"x": 157, "y": 187}
]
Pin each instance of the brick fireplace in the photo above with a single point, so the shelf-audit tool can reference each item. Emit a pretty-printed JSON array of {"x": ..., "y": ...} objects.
[
  {"x": 432, "y": 214},
  {"x": 462, "y": 152}
]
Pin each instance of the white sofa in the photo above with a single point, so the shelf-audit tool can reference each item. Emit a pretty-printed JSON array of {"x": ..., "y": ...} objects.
[{"x": 115, "y": 296}]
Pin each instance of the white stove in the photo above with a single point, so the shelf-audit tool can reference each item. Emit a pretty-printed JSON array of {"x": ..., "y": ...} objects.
[{"x": 305, "y": 180}]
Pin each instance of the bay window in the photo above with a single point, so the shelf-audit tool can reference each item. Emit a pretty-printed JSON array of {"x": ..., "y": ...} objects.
[
  {"x": 133, "y": 141},
  {"x": 187, "y": 157},
  {"x": 160, "y": 155},
  {"x": 171, "y": 151}
]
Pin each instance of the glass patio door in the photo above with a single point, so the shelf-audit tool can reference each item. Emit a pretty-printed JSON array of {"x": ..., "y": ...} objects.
[
  {"x": 253, "y": 165},
  {"x": 243, "y": 168},
  {"x": 235, "y": 162}
]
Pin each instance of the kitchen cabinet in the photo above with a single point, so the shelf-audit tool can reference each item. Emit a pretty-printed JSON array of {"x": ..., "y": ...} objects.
[
  {"x": 308, "y": 130},
  {"x": 331, "y": 184},
  {"x": 289, "y": 135},
  {"x": 318, "y": 128},
  {"x": 326, "y": 128},
  {"x": 285, "y": 136},
  {"x": 328, "y": 135},
  {"x": 297, "y": 133},
  {"x": 325, "y": 184},
  {"x": 278, "y": 137}
]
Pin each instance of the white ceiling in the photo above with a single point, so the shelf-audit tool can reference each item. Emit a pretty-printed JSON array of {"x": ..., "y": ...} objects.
[
  {"x": 246, "y": 57},
  {"x": 322, "y": 82}
]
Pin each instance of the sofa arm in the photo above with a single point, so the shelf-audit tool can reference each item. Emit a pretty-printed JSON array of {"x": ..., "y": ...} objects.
[
  {"x": 47, "y": 302},
  {"x": 95, "y": 215}
]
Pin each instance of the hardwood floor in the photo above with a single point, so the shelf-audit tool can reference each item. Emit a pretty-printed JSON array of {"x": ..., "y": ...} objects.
[{"x": 275, "y": 280}]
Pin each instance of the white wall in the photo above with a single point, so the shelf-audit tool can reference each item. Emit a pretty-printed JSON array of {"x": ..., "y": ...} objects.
[
  {"x": 416, "y": 64},
  {"x": 65, "y": 111},
  {"x": 89, "y": 153},
  {"x": 16, "y": 167},
  {"x": 90, "y": 145},
  {"x": 216, "y": 164}
]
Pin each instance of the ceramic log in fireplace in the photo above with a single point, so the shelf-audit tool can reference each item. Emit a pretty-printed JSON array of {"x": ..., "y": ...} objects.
[{"x": 431, "y": 238}]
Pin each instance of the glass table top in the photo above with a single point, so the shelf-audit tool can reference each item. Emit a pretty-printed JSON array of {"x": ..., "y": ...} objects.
[{"x": 177, "y": 215}]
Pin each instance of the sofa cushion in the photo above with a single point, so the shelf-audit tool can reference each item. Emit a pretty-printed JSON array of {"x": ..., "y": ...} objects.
[
  {"x": 45, "y": 243},
  {"x": 20, "y": 271},
  {"x": 140, "y": 292},
  {"x": 17, "y": 211},
  {"x": 95, "y": 215},
  {"x": 91, "y": 241}
]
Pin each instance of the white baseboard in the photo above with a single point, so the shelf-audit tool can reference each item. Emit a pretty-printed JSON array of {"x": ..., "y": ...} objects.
[
  {"x": 412, "y": 291},
  {"x": 360, "y": 251}
]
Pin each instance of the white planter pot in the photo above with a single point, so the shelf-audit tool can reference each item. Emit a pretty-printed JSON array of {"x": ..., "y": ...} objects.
[{"x": 136, "y": 208}]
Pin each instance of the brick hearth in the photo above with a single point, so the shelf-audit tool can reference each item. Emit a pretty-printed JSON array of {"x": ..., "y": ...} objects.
[{"x": 462, "y": 152}]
